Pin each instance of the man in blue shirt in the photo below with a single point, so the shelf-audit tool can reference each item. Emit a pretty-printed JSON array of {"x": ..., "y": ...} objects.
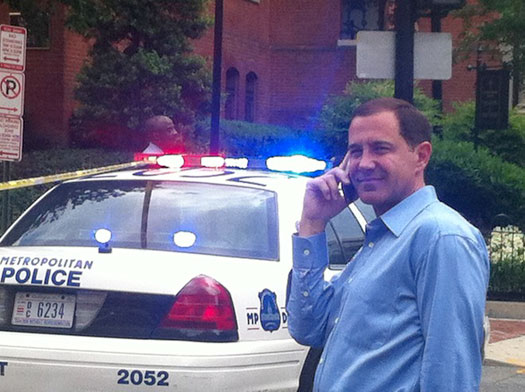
[{"x": 406, "y": 314}]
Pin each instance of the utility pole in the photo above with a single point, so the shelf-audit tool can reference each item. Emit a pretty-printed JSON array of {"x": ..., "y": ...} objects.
[
  {"x": 404, "y": 63},
  {"x": 216, "y": 83}
]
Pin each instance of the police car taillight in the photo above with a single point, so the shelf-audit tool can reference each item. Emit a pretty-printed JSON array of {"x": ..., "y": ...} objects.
[{"x": 203, "y": 310}]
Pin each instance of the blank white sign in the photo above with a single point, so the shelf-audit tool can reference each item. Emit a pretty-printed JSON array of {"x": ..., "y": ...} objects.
[{"x": 376, "y": 55}]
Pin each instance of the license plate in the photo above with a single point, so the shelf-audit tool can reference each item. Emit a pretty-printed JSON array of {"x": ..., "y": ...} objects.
[{"x": 44, "y": 310}]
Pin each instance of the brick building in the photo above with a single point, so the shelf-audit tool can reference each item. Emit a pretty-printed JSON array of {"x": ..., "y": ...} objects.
[
  {"x": 52, "y": 63},
  {"x": 281, "y": 60}
]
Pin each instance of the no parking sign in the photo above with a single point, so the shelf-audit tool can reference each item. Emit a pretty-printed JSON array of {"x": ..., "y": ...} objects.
[{"x": 11, "y": 93}]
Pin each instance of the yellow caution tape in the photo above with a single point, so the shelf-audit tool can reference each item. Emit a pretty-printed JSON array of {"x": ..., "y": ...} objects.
[{"x": 64, "y": 176}]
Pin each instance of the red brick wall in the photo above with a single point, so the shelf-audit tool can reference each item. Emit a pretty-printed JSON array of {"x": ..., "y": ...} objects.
[
  {"x": 49, "y": 79},
  {"x": 44, "y": 94},
  {"x": 307, "y": 64},
  {"x": 246, "y": 47}
]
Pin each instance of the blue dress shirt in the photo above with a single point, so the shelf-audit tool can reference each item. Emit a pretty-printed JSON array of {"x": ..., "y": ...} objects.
[{"x": 406, "y": 314}]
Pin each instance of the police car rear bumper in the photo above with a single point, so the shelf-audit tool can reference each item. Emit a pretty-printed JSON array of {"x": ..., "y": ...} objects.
[{"x": 84, "y": 364}]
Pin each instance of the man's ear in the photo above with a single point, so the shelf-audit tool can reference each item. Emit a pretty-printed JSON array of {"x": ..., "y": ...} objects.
[{"x": 423, "y": 151}]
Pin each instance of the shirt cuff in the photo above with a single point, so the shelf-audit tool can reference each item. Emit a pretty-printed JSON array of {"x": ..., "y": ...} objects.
[{"x": 310, "y": 252}]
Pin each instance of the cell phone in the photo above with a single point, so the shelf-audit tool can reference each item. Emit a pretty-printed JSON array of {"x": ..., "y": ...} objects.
[{"x": 349, "y": 192}]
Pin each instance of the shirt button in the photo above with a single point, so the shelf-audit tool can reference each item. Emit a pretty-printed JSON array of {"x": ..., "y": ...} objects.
[
  {"x": 370, "y": 244},
  {"x": 336, "y": 320},
  {"x": 306, "y": 293},
  {"x": 321, "y": 360},
  {"x": 306, "y": 252}
]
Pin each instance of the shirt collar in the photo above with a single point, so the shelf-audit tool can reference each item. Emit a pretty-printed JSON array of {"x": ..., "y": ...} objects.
[{"x": 399, "y": 216}]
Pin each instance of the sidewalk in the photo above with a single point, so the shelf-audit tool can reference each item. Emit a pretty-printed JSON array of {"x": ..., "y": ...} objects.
[{"x": 507, "y": 341}]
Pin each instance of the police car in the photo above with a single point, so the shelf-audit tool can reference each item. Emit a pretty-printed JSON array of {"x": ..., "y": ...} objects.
[{"x": 158, "y": 279}]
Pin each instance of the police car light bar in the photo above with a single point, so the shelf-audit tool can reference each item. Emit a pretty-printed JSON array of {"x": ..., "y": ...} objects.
[
  {"x": 291, "y": 164},
  {"x": 295, "y": 164},
  {"x": 213, "y": 161},
  {"x": 171, "y": 161}
]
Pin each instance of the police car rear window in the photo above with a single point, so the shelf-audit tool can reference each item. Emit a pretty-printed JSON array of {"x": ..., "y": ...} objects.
[{"x": 201, "y": 218}]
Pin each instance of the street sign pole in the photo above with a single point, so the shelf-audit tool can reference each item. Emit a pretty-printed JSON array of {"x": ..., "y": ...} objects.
[
  {"x": 12, "y": 67},
  {"x": 5, "y": 199},
  {"x": 404, "y": 52}
]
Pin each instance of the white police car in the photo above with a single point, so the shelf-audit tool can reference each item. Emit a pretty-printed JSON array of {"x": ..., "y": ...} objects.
[{"x": 158, "y": 279}]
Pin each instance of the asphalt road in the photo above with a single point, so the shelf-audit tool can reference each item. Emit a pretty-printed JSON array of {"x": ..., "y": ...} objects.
[{"x": 502, "y": 378}]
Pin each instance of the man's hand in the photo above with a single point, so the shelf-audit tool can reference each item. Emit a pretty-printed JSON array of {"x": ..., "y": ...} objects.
[{"x": 323, "y": 199}]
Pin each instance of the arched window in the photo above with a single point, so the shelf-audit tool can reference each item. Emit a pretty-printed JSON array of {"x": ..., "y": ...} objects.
[
  {"x": 249, "y": 100},
  {"x": 232, "y": 88}
]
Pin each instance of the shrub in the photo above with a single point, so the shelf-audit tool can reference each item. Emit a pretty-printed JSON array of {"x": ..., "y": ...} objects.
[
  {"x": 477, "y": 183},
  {"x": 507, "y": 280},
  {"x": 508, "y": 144}
]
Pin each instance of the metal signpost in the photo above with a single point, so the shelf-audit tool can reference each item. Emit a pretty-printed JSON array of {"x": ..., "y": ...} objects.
[{"x": 12, "y": 66}]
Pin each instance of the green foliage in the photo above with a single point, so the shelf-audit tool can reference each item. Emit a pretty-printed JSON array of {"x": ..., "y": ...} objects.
[
  {"x": 43, "y": 163},
  {"x": 141, "y": 64},
  {"x": 506, "y": 280},
  {"x": 508, "y": 144},
  {"x": 477, "y": 183},
  {"x": 336, "y": 115}
]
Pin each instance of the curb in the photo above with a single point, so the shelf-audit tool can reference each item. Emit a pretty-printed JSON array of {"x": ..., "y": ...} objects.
[
  {"x": 505, "y": 310},
  {"x": 495, "y": 362}
]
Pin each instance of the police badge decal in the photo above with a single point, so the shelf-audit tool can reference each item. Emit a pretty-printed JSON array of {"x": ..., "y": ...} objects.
[{"x": 269, "y": 313}]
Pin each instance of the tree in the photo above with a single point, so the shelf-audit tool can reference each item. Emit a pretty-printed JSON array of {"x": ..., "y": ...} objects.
[
  {"x": 140, "y": 63},
  {"x": 498, "y": 26}
]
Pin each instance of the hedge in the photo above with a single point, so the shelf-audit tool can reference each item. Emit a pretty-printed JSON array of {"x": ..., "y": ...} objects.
[
  {"x": 507, "y": 281},
  {"x": 478, "y": 184}
]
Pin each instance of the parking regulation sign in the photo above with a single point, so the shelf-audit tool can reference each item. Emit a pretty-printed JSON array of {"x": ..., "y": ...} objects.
[
  {"x": 10, "y": 138},
  {"x": 13, "y": 47},
  {"x": 11, "y": 93}
]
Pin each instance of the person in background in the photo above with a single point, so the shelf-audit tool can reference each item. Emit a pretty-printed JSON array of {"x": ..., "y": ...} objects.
[
  {"x": 162, "y": 136},
  {"x": 406, "y": 313}
]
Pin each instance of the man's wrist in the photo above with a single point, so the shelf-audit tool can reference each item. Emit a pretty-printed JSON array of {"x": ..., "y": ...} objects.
[{"x": 308, "y": 227}]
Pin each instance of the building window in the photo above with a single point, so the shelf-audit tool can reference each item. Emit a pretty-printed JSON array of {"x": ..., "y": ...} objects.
[
  {"x": 360, "y": 15},
  {"x": 249, "y": 100},
  {"x": 37, "y": 33},
  {"x": 232, "y": 88}
]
